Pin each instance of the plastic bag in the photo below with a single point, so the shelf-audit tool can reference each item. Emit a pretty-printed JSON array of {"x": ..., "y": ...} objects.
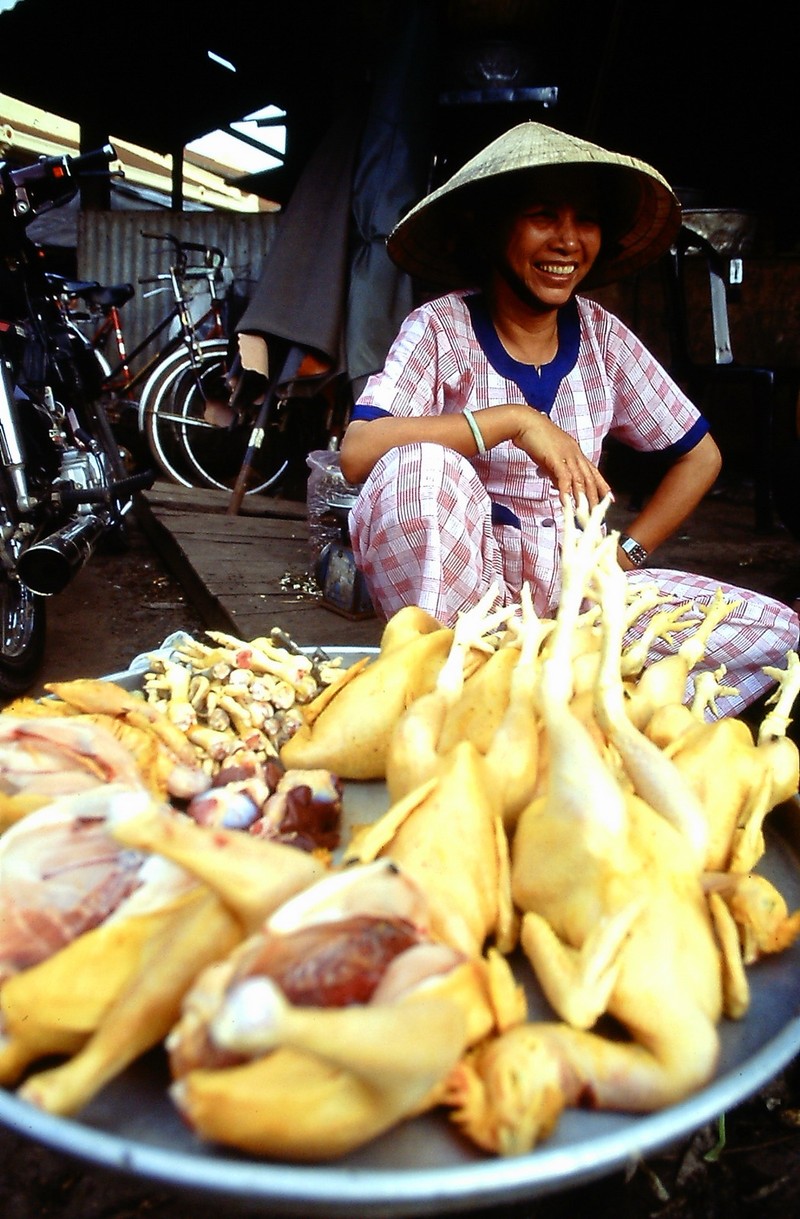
[{"x": 329, "y": 498}]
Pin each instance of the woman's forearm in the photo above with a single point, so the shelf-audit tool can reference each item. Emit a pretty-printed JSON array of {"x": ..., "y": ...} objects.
[
  {"x": 554, "y": 450},
  {"x": 366, "y": 441},
  {"x": 677, "y": 495}
]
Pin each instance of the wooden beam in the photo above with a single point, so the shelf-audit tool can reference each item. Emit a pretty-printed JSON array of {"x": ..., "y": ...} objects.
[
  {"x": 177, "y": 180},
  {"x": 95, "y": 189}
]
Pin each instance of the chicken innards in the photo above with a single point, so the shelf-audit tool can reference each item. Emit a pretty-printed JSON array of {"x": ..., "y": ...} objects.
[{"x": 178, "y": 866}]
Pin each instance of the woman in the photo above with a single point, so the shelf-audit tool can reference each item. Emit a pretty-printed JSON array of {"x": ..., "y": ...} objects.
[{"x": 496, "y": 398}]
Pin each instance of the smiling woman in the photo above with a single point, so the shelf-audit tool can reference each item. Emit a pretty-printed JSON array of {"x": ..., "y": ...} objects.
[
  {"x": 547, "y": 242},
  {"x": 545, "y": 376}
]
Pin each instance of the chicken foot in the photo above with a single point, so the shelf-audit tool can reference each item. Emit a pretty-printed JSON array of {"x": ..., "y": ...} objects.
[{"x": 664, "y": 681}]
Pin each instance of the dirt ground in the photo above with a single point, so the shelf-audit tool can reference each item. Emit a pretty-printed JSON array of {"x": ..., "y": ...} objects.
[{"x": 123, "y": 604}]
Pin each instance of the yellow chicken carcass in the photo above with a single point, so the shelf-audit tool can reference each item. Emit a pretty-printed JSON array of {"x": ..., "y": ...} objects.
[
  {"x": 408, "y": 623},
  {"x": 416, "y": 751},
  {"x": 584, "y": 663},
  {"x": 251, "y": 876},
  {"x": 339, "y": 1018},
  {"x": 123, "y": 939},
  {"x": 491, "y": 707},
  {"x": 615, "y": 917},
  {"x": 100, "y": 942},
  {"x": 175, "y": 769},
  {"x": 650, "y": 773},
  {"x": 507, "y": 1093},
  {"x": 476, "y": 712},
  {"x": 347, "y": 728},
  {"x": 760, "y": 913},
  {"x": 513, "y": 758},
  {"x": 448, "y": 835},
  {"x": 738, "y": 777},
  {"x": 90, "y": 695},
  {"x": 752, "y": 920},
  {"x": 677, "y": 795}
]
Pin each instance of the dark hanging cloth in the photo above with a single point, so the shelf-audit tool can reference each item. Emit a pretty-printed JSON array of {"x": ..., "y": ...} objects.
[
  {"x": 327, "y": 287},
  {"x": 300, "y": 298},
  {"x": 391, "y": 174}
]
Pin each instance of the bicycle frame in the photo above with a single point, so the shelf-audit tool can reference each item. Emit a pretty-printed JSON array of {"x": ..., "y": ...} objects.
[
  {"x": 129, "y": 379},
  {"x": 122, "y": 375}
]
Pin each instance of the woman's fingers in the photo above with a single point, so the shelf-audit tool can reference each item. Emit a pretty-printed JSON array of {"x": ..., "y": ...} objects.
[
  {"x": 560, "y": 455},
  {"x": 582, "y": 478}
]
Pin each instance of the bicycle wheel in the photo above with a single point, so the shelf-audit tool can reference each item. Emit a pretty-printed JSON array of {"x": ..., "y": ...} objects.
[
  {"x": 158, "y": 419},
  {"x": 189, "y": 430}
]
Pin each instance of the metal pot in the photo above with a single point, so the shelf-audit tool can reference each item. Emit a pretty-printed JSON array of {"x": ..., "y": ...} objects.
[{"x": 731, "y": 231}]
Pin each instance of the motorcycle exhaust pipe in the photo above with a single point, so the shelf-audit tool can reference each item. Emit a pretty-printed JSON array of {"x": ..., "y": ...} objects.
[{"x": 48, "y": 566}]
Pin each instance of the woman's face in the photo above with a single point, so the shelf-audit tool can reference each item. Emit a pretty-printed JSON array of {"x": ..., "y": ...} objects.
[{"x": 549, "y": 243}]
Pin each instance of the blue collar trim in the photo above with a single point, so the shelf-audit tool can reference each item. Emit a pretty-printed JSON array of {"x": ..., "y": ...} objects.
[{"x": 538, "y": 389}]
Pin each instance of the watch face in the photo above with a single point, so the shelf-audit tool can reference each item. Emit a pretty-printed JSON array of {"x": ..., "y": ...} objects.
[{"x": 636, "y": 553}]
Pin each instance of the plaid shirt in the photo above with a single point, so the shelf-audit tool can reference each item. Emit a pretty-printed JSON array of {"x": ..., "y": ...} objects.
[
  {"x": 603, "y": 382},
  {"x": 446, "y": 358}
]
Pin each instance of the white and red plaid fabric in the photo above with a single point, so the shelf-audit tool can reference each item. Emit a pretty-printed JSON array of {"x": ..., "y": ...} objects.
[{"x": 432, "y": 528}]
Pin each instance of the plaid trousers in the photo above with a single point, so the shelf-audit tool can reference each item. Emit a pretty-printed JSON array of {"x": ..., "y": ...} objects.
[{"x": 423, "y": 534}]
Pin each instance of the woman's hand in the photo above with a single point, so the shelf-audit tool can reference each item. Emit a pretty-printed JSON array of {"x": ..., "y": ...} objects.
[{"x": 560, "y": 455}]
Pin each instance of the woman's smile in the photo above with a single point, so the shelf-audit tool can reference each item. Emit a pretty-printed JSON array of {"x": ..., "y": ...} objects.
[{"x": 558, "y": 268}]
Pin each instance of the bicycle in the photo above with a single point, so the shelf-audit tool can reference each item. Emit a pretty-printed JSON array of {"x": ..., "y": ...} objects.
[
  {"x": 95, "y": 310},
  {"x": 198, "y": 431},
  {"x": 105, "y": 302},
  {"x": 183, "y": 410},
  {"x": 195, "y": 417}
]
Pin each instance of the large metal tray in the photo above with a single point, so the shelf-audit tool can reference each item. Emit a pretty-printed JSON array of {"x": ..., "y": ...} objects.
[{"x": 424, "y": 1167}]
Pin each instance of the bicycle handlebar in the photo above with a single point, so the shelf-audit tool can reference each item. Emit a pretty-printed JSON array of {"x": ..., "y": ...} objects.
[
  {"x": 182, "y": 273},
  {"x": 58, "y": 168},
  {"x": 52, "y": 180},
  {"x": 96, "y": 161},
  {"x": 213, "y": 256}
]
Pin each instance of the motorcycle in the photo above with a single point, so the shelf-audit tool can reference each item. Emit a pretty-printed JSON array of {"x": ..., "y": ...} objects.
[{"x": 63, "y": 484}]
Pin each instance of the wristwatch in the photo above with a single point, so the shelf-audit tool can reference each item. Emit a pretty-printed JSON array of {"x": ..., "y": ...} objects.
[{"x": 636, "y": 553}]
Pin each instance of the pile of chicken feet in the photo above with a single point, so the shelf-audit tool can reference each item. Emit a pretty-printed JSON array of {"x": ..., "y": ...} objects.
[{"x": 549, "y": 807}]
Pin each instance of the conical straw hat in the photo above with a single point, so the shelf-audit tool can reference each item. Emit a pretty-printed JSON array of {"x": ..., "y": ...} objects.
[{"x": 642, "y": 212}]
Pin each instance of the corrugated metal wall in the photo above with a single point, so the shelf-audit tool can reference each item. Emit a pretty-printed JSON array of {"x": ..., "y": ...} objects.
[{"x": 111, "y": 250}]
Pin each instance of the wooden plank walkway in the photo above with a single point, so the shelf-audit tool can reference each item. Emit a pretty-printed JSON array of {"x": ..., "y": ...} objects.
[
  {"x": 248, "y": 573},
  {"x": 245, "y": 574}
]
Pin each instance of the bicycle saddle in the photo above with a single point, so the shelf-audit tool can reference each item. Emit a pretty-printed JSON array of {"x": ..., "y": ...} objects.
[{"x": 106, "y": 296}]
